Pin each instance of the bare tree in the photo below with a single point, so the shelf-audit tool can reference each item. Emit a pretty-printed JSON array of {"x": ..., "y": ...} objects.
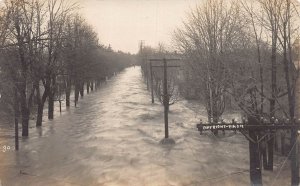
[
  {"x": 58, "y": 12},
  {"x": 172, "y": 86},
  {"x": 207, "y": 39},
  {"x": 19, "y": 44},
  {"x": 291, "y": 75}
]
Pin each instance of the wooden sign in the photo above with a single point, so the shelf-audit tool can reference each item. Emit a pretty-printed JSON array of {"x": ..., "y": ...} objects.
[{"x": 241, "y": 126}]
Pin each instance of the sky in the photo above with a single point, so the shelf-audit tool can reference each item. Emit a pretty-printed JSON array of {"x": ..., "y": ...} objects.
[{"x": 124, "y": 23}]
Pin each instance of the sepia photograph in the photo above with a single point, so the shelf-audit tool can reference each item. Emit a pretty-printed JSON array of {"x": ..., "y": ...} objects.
[{"x": 149, "y": 92}]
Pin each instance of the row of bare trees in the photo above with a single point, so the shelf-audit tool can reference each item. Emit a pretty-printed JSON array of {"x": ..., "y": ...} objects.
[
  {"x": 31, "y": 50},
  {"x": 46, "y": 48},
  {"x": 243, "y": 50}
]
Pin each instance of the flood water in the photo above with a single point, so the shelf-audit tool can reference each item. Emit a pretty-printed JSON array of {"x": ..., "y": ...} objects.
[{"x": 112, "y": 138}]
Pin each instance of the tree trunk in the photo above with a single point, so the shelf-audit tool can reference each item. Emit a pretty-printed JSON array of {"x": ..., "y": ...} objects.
[
  {"x": 213, "y": 114},
  {"x": 255, "y": 167},
  {"x": 25, "y": 119},
  {"x": 282, "y": 139},
  {"x": 270, "y": 144},
  {"x": 294, "y": 158},
  {"x": 39, "y": 119},
  {"x": 276, "y": 145},
  {"x": 264, "y": 157},
  {"x": 292, "y": 100},
  {"x": 263, "y": 151},
  {"x": 76, "y": 94},
  {"x": 51, "y": 93},
  {"x": 215, "y": 120},
  {"x": 40, "y": 103},
  {"x": 92, "y": 85},
  {"x": 68, "y": 92},
  {"x": 87, "y": 87},
  {"x": 270, "y": 148},
  {"x": 50, "y": 105},
  {"x": 24, "y": 112},
  {"x": 16, "y": 110},
  {"x": 81, "y": 89}
]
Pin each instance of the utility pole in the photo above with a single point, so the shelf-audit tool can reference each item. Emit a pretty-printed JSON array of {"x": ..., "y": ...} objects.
[
  {"x": 251, "y": 130},
  {"x": 166, "y": 99},
  {"x": 254, "y": 154},
  {"x": 165, "y": 89}
]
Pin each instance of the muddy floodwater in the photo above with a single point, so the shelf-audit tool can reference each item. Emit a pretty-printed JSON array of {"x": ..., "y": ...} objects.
[{"x": 112, "y": 138}]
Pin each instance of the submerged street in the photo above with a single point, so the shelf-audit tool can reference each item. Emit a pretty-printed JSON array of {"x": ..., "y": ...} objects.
[{"x": 112, "y": 138}]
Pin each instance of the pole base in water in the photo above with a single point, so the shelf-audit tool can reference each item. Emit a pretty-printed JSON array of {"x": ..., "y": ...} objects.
[{"x": 167, "y": 141}]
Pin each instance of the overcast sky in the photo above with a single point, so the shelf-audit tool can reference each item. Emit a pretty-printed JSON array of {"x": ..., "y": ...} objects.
[{"x": 123, "y": 23}]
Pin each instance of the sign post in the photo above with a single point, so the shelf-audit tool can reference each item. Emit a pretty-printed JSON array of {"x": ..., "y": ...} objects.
[{"x": 252, "y": 131}]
